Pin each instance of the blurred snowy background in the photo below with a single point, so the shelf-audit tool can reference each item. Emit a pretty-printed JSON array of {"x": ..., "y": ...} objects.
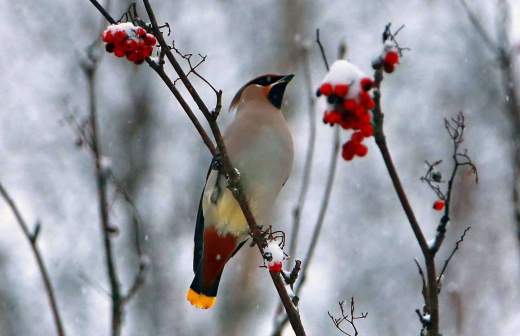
[{"x": 367, "y": 247}]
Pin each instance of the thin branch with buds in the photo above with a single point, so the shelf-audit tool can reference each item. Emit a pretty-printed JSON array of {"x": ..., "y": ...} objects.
[{"x": 32, "y": 238}]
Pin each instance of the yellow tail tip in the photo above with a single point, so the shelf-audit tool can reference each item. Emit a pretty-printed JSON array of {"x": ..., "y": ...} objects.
[{"x": 200, "y": 300}]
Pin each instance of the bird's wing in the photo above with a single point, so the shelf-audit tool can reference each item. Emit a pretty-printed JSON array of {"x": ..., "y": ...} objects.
[{"x": 199, "y": 226}]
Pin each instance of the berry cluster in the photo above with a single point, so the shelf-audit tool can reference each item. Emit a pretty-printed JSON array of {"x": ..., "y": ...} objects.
[
  {"x": 438, "y": 205},
  {"x": 125, "y": 39},
  {"x": 388, "y": 59},
  {"x": 348, "y": 104}
]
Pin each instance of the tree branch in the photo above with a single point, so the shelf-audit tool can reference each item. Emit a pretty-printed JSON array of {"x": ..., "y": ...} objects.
[{"x": 32, "y": 238}]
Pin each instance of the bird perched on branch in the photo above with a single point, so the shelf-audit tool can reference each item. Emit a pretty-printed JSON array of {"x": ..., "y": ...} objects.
[{"x": 259, "y": 145}]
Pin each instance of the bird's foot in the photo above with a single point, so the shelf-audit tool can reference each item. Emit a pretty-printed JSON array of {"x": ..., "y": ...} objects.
[
  {"x": 237, "y": 174},
  {"x": 234, "y": 181},
  {"x": 216, "y": 164}
]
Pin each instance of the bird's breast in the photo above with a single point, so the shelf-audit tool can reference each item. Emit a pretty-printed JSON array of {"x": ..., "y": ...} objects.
[{"x": 264, "y": 160}]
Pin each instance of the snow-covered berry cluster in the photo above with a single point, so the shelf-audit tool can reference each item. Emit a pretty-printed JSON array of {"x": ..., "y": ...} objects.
[
  {"x": 126, "y": 39},
  {"x": 349, "y": 102},
  {"x": 274, "y": 255},
  {"x": 389, "y": 58},
  {"x": 438, "y": 205}
]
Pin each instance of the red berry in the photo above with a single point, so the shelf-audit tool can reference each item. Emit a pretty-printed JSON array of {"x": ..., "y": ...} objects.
[
  {"x": 389, "y": 68},
  {"x": 130, "y": 45},
  {"x": 119, "y": 36},
  {"x": 108, "y": 36},
  {"x": 371, "y": 104},
  {"x": 367, "y": 130},
  {"x": 391, "y": 57},
  {"x": 275, "y": 267},
  {"x": 347, "y": 122},
  {"x": 361, "y": 150},
  {"x": 147, "y": 51},
  {"x": 332, "y": 117},
  {"x": 150, "y": 40},
  {"x": 119, "y": 51},
  {"x": 365, "y": 99},
  {"x": 132, "y": 56},
  {"x": 349, "y": 105},
  {"x": 366, "y": 83},
  {"x": 140, "y": 44},
  {"x": 341, "y": 90},
  {"x": 140, "y": 31},
  {"x": 348, "y": 151},
  {"x": 360, "y": 112},
  {"x": 438, "y": 205},
  {"x": 357, "y": 137},
  {"x": 326, "y": 89},
  {"x": 364, "y": 118}
]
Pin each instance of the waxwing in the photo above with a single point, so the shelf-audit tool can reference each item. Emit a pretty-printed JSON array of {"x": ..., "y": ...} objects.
[{"x": 260, "y": 146}]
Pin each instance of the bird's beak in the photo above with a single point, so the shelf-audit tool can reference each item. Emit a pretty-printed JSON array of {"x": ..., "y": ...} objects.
[
  {"x": 286, "y": 78},
  {"x": 277, "y": 90}
]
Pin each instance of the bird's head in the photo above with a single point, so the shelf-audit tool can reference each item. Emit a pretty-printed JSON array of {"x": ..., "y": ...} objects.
[{"x": 270, "y": 87}]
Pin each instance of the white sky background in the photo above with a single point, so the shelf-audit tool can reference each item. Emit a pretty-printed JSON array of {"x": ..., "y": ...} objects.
[{"x": 366, "y": 249}]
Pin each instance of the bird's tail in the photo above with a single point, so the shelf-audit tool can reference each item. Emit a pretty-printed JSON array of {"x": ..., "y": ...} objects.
[
  {"x": 203, "y": 297},
  {"x": 217, "y": 249}
]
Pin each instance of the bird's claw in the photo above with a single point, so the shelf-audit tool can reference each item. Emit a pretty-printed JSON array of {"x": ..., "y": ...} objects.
[{"x": 216, "y": 164}]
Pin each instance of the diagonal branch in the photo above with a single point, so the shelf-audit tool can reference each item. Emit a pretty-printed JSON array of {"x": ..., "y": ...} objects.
[{"x": 33, "y": 241}]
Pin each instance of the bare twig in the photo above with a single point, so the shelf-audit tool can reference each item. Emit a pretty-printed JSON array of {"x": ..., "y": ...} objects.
[
  {"x": 346, "y": 317},
  {"x": 32, "y": 237},
  {"x": 457, "y": 244},
  {"x": 322, "y": 50},
  {"x": 423, "y": 280}
]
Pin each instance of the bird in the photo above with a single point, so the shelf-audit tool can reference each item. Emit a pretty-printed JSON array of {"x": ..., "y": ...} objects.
[{"x": 260, "y": 146}]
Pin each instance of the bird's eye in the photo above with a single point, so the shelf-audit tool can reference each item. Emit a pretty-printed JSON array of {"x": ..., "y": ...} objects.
[{"x": 268, "y": 79}]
